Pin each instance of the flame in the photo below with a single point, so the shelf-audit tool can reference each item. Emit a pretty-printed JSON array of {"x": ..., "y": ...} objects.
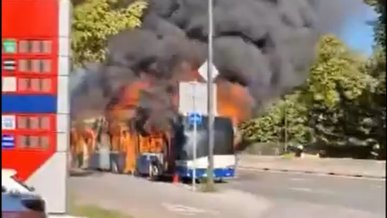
[
  {"x": 233, "y": 101},
  {"x": 124, "y": 107}
]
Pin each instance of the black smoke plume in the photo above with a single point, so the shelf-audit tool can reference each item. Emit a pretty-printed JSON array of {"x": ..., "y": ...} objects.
[{"x": 264, "y": 45}]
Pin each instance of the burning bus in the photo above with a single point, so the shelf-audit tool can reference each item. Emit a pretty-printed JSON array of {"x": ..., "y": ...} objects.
[
  {"x": 156, "y": 144},
  {"x": 261, "y": 54}
]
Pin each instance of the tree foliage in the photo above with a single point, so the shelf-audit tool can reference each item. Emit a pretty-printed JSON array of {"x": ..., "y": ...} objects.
[
  {"x": 95, "y": 20},
  {"x": 286, "y": 115},
  {"x": 333, "y": 107},
  {"x": 337, "y": 80},
  {"x": 336, "y": 73},
  {"x": 377, "y": 68},
  {"x": 379, "y": 24}
]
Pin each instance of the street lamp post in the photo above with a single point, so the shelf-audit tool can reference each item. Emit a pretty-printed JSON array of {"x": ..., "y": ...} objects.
[
  {"x": 285, "y": 130},
  {"x": 210, "y": 81}
]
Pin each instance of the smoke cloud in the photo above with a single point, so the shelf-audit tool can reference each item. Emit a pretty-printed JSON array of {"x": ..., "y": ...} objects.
[{"x": 263, "y": 47}]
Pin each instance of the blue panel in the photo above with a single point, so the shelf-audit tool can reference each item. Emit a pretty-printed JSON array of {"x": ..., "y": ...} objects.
[
  {"x": 28, "y": 103},
  {"x": 7, "y": 141},
  {"x": 219, "y": 173},
  {"x": 195, "y": 118}
]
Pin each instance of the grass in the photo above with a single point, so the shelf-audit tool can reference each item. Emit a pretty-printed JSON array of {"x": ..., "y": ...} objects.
[
  {"x": 92, "y": 211},
  {"x": 206, "y": 186},
  {"x": 288, "y": 156}
]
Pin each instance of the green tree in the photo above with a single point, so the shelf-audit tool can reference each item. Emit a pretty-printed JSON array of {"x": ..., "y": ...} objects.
[
  {"x": 337, "y": 81},
  {"x": 379, "y": 24},
  {"x": 376, "y": 99},
  {"x": 342, "y": 102},
  {"x": 95, "y": 20},
  {"x": 373, "y": 102},
  {"x": 321, "y": 110},
  {"x": 283, "y": 122},
  {"x": 336, "y": 73},
  {"x": 265, "y": 128}
]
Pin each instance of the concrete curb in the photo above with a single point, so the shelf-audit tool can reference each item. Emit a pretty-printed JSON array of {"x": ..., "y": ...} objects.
[
  {"x": 333, "y": 167},
  {"x": 329, "y": 173},
  {"x": 65, "y": 216}
]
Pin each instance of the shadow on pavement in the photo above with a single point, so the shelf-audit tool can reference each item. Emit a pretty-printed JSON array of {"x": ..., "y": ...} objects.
[
  {"x": 84, "y": 173},
  {"x": 160, "y": 179}
]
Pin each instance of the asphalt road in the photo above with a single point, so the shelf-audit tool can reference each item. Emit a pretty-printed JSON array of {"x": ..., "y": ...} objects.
[
  {"x": 143, "y": 199},
  {"x": 286, "y": 189},
  {"x": 251, "y": 195}
]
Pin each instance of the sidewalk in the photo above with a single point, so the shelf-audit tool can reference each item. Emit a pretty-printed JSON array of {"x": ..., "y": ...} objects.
[
  {"x": 329, "y": 166},
  {"x": 63, "y": 216}
]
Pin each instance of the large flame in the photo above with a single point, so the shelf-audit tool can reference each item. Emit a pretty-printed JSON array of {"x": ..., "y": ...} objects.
[
  {"x": 233, "y": 101},
  {"x": 125, "y": 104}
]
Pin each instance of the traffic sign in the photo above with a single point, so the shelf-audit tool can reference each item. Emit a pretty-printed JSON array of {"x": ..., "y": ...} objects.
[
  {"x": 195, "y": 118},
  {"x": 193, "y": 97},
  {"x": 203, "y": 70}
]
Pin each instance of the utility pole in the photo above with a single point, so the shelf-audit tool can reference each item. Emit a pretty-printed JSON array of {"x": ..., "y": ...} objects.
[{"x": 210, "y": 81}]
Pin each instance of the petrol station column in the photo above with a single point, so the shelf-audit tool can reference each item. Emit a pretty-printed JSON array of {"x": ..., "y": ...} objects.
[
  {"x": 63, "y": 100},
  {"x": 35, "y": 95}
]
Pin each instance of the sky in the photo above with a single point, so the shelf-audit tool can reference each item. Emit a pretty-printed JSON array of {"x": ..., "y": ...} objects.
[{"x": 357, "y": 33}]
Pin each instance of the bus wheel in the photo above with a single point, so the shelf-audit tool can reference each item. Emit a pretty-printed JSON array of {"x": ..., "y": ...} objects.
[
  {"x": 219, "y": 180},
  {"x": 153, "y": 173}
]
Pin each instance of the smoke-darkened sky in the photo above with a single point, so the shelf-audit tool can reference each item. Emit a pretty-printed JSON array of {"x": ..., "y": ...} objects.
[{"x": 264, "y": 46}]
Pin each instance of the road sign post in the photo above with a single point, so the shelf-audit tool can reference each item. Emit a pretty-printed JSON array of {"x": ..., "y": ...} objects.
[
  {"x": 201, "y": 98},
  {"x": 194, "y": 119},
  {"x": 194, "y": 156},
  {"x": 194, "y": 146}
]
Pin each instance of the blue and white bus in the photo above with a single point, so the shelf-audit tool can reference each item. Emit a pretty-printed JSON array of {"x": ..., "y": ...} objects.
[{"x": 224, "y": 154}]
